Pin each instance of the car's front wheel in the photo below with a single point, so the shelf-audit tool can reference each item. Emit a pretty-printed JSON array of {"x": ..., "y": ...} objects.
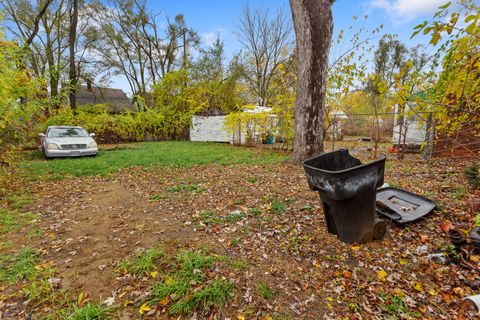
[{"x": 45, "y": 154}]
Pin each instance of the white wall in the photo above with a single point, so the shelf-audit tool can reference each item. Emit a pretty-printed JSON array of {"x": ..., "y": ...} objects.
[
  {"x": 210, "y": 128},
  {"x": 414, "y": 128}
]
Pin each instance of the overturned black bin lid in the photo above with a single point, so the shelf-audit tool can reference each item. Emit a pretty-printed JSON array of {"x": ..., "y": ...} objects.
[{"x": 402, "y": 206}]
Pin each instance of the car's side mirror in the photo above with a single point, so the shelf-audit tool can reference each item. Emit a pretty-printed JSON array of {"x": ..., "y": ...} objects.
[
  {"x": 41, "y": 135},
  {"x": 92, "y": 134}
]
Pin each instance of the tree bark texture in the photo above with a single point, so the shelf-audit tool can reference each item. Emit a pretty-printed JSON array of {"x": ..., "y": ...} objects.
[
  {"x": 313, "y": 24},
  {"x": 71, "y": 41}
]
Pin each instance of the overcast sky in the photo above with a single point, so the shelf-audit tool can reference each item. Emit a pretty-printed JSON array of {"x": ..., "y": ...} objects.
[{"x": 220, "y": 17}]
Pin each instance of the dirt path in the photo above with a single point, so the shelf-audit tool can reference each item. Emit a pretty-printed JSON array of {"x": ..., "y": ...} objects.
[{"x": 93, "y": 226}]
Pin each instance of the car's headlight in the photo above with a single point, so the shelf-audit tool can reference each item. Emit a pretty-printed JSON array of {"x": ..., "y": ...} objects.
[
  {"x": 52, "y": 146},
  {"x": 92, "y": 144}
]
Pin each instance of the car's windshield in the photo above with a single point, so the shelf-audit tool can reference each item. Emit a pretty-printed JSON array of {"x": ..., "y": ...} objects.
[{"x": 66, "y": 132}]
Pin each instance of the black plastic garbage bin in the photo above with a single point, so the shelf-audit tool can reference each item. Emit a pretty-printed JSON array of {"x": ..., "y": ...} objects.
[{"x": 347, "y": 191}]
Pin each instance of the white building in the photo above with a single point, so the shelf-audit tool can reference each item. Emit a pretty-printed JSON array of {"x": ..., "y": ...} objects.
[
  {"x": 209, "y": 129},
  {"x": 213, "y": 129}
]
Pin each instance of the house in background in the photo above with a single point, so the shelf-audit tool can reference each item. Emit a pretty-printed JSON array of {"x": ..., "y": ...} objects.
[{"x": 115, "y": 99}]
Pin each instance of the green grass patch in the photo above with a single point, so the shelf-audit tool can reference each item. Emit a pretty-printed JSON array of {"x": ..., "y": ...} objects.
[
  {"x": 264, "y": 291},
  {"x": 163, "y": 154},
  {"x": 155, "y": 197},
  {"x": 143, "y": 262},
  {"x": 215, "y": 294},
  {"x": 187, "y": 287},
  {"x": 41, "y": 290},
  {"x": 278, "y": 207},
  {"x": 18, "y": 201},
  {"x": 90, "y": 311},
  {"x": 6, "y": 246},
  {"x": 234, "y": 216},
  {"x": 18, "y": 266},
  {"x": 34, "y": 232},
  {"x": 193, "y": 188},
  {"x": 295, "y": 241},
  {"x": 255, "y": 212},
  {"x": 11, "y": 221},
  {"x": 190, "y": 261},
  {"x": 208, "y": 217},
  {"x": 307, "y": 207},
  {"x": 458, "y": 193},
  {"x": 393, "y": 304},
  {"x": 472, "y": 174},
  {"x": 240, "y": 264},
  {"x": 8, "y": 221}
]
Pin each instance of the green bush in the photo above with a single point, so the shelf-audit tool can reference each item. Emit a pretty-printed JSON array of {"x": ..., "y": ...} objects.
[
  {"x": 21, "y": 100},
  {"x": 128, "y": 126},
  {"x": 472, "y": 174}
]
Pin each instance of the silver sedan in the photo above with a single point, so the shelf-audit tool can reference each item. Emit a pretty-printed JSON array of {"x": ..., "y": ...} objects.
[{"x": 68, "y": 141}]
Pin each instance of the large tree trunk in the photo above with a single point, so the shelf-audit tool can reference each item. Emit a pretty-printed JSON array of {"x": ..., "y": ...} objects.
[
  {"x": 71, "y": 42},
  {"x": 313, "y": 23}
]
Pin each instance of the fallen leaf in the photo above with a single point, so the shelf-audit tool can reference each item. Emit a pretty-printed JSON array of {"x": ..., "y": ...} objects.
[
  {"x": 144, "y": 308},
  {"x": 459, "y": 291},
  {"x": 475, "y": 258},
  {"x": 432, "y": 292},
  {"x": 83, "y": 298},
  {"x": 418, "y": 286},
  {"x": 424, "y": 238},
  {"x": 399, "y": 292},
  {"x": 381, "y": 275},
  {"x": 109, "y": 301},
  {"x": 446, "y": 226},
  {"x": 44, "y": 265},
  {"x": 164, "y": 301}
]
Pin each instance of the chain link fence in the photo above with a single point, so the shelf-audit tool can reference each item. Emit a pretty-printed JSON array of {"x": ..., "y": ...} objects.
[
  {"x": 391, "y": 133},
  {"x": 399, "y": 134}
]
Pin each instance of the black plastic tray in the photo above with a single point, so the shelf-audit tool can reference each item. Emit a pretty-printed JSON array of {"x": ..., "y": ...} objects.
[{"x": 402, "y": 206}]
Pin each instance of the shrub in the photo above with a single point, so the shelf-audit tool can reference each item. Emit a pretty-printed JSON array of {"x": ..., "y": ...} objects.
[
  {"x": 472, "y": 174},
  {"x": 159, "y": 123},
  {"x": 20, "y": 100}
]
